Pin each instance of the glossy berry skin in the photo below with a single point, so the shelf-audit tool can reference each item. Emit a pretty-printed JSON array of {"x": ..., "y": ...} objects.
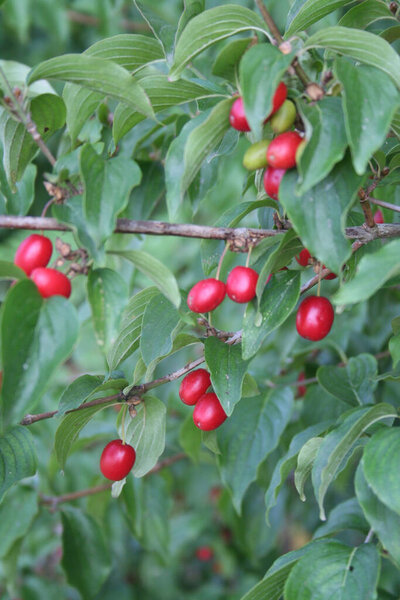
[
  {"x": 303, "y": 257},
  {"x": 241, "y": 284},
  {"x": 301, "y": 389},
  {"x": 378, "y": 217},
  {"x": 279, "y": 97},
  {"x": 314, "y": 318},
  {"x": 51, "y": 282},
  {"x": 206, "y": 295},
  {"x": 204, "y": 553},
  {"x": 35, "y": 251},
  {"x": 272, "y": 181},
  {"x": 116, "y": 460},
  {"x": 284, "y": 118},
  {"x": 194, "y": 385},
  {"x": 281, "y": 152},
  {"x": 208, "y": 413},
  {"x": 237, "y": 117}
]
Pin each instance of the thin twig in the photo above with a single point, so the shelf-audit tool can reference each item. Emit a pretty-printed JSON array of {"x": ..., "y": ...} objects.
[
  {"x": 385, "y": 204},
  {"x": 83, "y": 19},
  {"x": 365, "y": 205},
  {"x": 269, "y": 21},
  {"x": 54, "y": 501}
]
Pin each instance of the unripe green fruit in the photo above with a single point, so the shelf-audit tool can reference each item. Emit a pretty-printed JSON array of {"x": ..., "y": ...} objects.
[
  {"x": 256, "y": 156},
  {"x": 300, "y": 151},
  {"x": 284, "y": 118}
]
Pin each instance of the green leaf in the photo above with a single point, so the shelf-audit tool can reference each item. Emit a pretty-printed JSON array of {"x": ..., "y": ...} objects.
[
  {"x": 164, "y": 32},
  {"x": 190, "y": 438},
  {"x": 107, "y": 184},
  {"x": 70, "y": 428},
  {"x": 97, "y": 74},
  {"x": 156, "y": 271},
  {"x": 345, "y": 515},
  {"x": 17, "y": 457},
  {"x": 367, "y": 114},
  {"x": 321, "y": 224},
  {"x": 16, "y": 74},
  {"x": 373, "y": 270},
  {"x": 108, "y": 295},
  {"x": 305, "y": 461},
  {"x": 335, "y": 571},
  {"x": 159, "y": 327},
  {"x": 37, "y": 336},
  {"x": 248, "y": 436},
  {"x": 86, "y": 559},
  {"x": 19, "y": 201},
  {"x": 210, "y": 27},
  {"x": 326, "y": 141},
  {"x": 288, "y": 247},
  {"x": 131, "y": 51},
  {"x": 362, "y": 15},
  {"x": 146, "y": 433},
  {"x": 227, "y": 60},
  {"x": 382, "y": 449},
  {"x": 261, "y": 70},
  {"x": 394, "y": 349},
  {"x": 271, "y": 587},
  {"x": 78, "y": 392},
  {"x": 10, "y": 271},
  {"x": 288, "y": 462},
  {"x": 337, "y": 445},
  {"x": 279, "y": 298},
  {"x": 227, "y": 369},
  {"x": 304, "y": 13},
  {"x": 48, "y": 113},
  {"x": 360, "y": 45},
  {"x": 17, "y": 512},
  {"x": 384, "y": 522},
  {"x": 354, "y": 383},
  {"x": 131, "y": 327}
]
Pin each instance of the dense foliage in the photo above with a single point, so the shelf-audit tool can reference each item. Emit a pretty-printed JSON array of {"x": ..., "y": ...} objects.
[{"x": 115, "y": 110}]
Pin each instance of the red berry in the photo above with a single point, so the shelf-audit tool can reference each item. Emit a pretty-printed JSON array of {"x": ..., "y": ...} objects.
[
  {"x": 314, "y": 318},
  {"x": 51, "y": 282},
  {"x": 378, "y": 217},
  {"x": 330, "y": 275},
  {"x": 206, "y": 295},
  {"x": 35, "y": 251},
  {"x": 237, "y": 117},
  {"x": 208, "y": 413},
  {"x": 117, "y": 459},
  {"x": 272, "y": 180},
  {"x": 281, "y": 152},
  {"x": 301, "y": 389},
  {"x": 194, "y": 385},
  {"x": 241, "y": 284},
  {"x": 279, "y": 97},
  {"x": 303, "y": 257},
  {"x": 204, "y": 553}
]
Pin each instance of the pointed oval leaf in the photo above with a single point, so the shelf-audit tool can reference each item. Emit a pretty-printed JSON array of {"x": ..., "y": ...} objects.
[
  {"x": 159, "y": 328},
  {"x": 17, "y": 457},
  {"x": 345, "y": 515},
  {"x": 354, "y": 383},
  {"x": 210, "y": 27},
  {"x": 22, "y": 500},
  {"x": 304, "y": 13}
]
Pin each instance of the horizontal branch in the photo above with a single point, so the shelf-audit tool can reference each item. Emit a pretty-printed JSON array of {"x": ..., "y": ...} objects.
[{"x": 241, "y": 237}]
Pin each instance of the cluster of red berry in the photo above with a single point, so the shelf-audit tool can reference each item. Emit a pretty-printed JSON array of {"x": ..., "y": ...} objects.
[
  {"x": 33, "y": 256},
  {"x": 208, "y": 413}
]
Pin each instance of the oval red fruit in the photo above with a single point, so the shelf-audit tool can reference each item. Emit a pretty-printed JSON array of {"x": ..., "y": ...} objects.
[
  {"x": 378, "y": 217},
  {"x": 241, "y": 284},
  {"x": 303, "y": 257},
  {"x": 117, "y": 459},
  {"x": 301, "y": 389},
  {"x": 281, "y": 152},
  {"x": 206, "y": 295},
  {"x": 279, "y": 97},
  {"x": 51, "y": 282},
  {"x": 208, "y": 413},
  {"x": 314, "y": 318},
  {"x": 330, "y": 275},
  {"x": 237, "y": 117},
  {"x": 35, "y": 251},
  {"x": 194, "y": 385},
  {"x": 272, "y": 181},
  {"x": 204, "y": 553}
]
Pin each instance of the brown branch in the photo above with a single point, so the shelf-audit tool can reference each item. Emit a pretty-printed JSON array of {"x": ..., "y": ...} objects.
[
  {"x": 365, "y": 205},
  {"x": 385, "y": 204},
  {"x": 269, "y": 21},
  {"x": 240, "y": 237},
  {"x": 54, "y": 501}
]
